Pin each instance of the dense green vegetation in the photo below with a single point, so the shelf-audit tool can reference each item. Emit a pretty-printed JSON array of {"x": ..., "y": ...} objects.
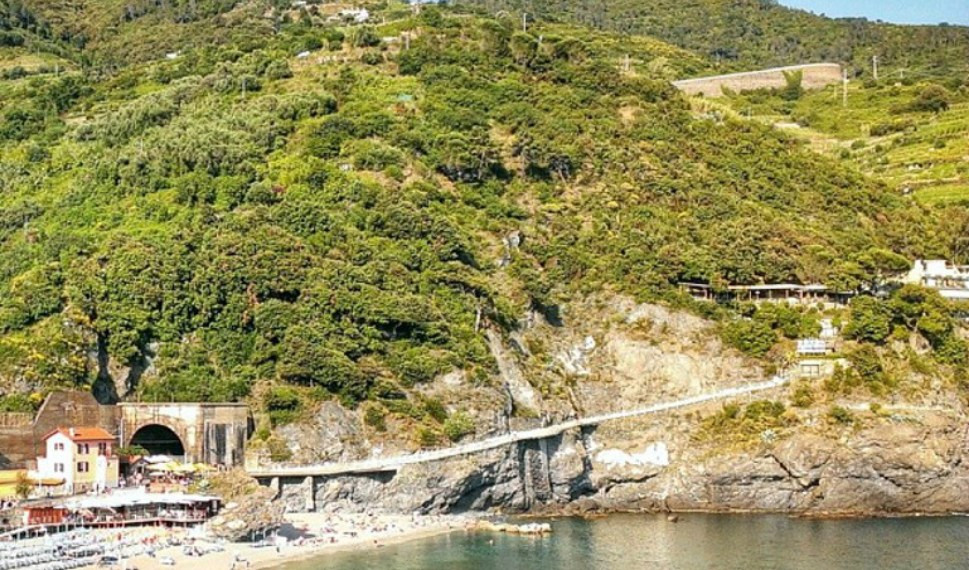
[
  {"x": 239, "y": 221},
  {"x": 748, "y": 34}
]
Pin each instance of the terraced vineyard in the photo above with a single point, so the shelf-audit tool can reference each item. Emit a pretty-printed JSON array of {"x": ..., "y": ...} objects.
[{"x": 916, "y": 152}]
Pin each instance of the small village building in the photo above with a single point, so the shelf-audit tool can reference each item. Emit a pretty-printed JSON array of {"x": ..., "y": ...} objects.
[
  {"x": 83, "y": 457},
  {"x": 121, "y": 508},
  {"x": 44, "y": 514},
  {"x": 778, "y": 293},
  {"x": 813, "y": 347},
  {"x": 950, "y": 280},
  {"x": 812, "y": 368}
]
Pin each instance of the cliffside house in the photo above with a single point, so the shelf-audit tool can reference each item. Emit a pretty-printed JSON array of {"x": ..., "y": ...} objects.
[
  {"x": 780, "y": 292},
  {"x": 950, "y": 280},
  {"x": 83, "y": 457}
]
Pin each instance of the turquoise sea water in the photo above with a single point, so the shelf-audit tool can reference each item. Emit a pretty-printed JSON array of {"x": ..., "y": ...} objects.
[{"x": 696, "y": 542}]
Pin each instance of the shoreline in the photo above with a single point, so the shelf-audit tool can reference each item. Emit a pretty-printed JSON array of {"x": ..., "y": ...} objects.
[
  {"x": 329, "y": 549},
  {"x": 304, "y": 536},
  {"x": 807, "y": 515},
  {"x": 308, "y": 536}
]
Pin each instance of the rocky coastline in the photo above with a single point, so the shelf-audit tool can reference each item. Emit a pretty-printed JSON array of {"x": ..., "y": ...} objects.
[
  {"x": 907, "y": 454},
  {"x": 887, "y": 469}
]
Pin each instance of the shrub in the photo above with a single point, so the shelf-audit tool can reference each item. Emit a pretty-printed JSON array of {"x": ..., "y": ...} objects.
[
  {"x": 278, "y": 70},
  {"x": 763, "y": 409},
  {"x": 372, "y": 58},
  {"x": 841, "y": 415},
  {"x": 278, "y": 450},
  {"x": 18, "y": 403},
  {"x": 866, "y": 362},
  {"x": 803, "y": 396},
  {"x": 283, "y": 404},
  {"x": 435, "y": 409},
  {"x": 932, "y": 99},
  {"x": 458, "y": 425},
  {"x": 375, "y": 416},
  {"x": 749, "y": 336},
  {"x": 428, "y": 436},
  {"x": 889, "y": 127}
]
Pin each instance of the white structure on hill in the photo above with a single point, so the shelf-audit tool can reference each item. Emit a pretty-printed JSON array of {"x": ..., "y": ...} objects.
[{"x": 951, "y": 281}]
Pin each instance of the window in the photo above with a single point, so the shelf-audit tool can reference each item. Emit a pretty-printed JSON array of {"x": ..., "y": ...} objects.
[
  {"x": 810, "y": 370},
  {"x": 82, "y": 467},
  {"x": 59, "y": 467},
  {"x": 83, "y": 448},
  {"x": 59, "y": 446},
  {"x": 102, "y": 449}
]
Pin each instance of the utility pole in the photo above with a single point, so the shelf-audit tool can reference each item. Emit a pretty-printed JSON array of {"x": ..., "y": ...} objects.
[
  {"x": 525, "y": 21},
  {"x": 874, "y": 66},
  {"x": 844, "y": 89},
  {"x": 625, "y": 63}
]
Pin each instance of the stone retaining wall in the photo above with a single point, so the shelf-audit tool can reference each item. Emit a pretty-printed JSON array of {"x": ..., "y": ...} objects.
[{"x": 815, "y": 76}]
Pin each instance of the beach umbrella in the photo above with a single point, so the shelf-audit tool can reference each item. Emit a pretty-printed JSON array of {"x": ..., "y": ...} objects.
[{"x": 158, "y": 459}]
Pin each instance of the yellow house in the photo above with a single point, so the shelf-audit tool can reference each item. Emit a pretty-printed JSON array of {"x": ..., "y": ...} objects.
[{"x": 83, "y": 457}]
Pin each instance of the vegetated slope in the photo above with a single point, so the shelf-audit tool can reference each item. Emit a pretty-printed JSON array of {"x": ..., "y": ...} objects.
[
  {"x": 23, "y": 33},
  {"x": 240, "y": 221},
  {"x": 911, "y": 134},
  {"x": 115, "y": 33},
  {"x": 750, "y": 34}
]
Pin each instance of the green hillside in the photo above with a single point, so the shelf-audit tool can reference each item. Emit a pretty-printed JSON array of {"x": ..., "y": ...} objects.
[
  {"x": 246, "y": 220},
  {"x": 749, "y": 34},
  {"x": 912, "y": 134}
]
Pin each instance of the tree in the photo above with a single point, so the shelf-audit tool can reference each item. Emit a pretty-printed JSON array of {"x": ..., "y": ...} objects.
[
  {"x": 870, "y": 320},
  {"x": 932, "y": 99},
  {"x": 24, "y": 486},
  {"x": 750, "y": 336}
]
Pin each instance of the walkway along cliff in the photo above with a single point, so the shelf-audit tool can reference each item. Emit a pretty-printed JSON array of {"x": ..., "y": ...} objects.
[{"x": 913, "y": 467}]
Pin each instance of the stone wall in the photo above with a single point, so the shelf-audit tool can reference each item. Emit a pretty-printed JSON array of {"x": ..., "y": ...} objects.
[
  {"x": 213, "y": 433},
  {"x": 815, "y": 76},
  {"x": 20, "y": 444}
]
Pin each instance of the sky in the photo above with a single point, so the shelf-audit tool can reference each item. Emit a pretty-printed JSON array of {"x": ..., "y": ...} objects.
[{"x": 897, "y": 11}]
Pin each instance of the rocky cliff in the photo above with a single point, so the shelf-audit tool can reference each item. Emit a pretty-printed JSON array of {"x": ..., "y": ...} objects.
[
  {"x": 895, "y": 459},
  {"x": 901, "y": 466}
]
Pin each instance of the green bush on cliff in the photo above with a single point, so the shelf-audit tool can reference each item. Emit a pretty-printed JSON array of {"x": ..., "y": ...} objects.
[
  {"x": 458, "y": 425},
  {"x": 841, "y": 415},
  {"x": 752, "y": 337}
]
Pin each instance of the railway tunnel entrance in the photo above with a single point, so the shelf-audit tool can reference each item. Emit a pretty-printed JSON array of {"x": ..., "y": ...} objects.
[{"x": 157, "y": 439}]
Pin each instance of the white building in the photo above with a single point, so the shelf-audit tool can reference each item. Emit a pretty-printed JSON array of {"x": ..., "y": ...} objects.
[
  {"x": 951, "y": 281},
  {"x": 356, "y": 16}
]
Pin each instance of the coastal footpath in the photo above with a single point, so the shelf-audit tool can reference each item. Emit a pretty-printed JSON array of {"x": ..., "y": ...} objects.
[{"x": 802, "y": 448}]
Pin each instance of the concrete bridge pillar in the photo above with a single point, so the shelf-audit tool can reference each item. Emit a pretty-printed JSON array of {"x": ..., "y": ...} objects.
[{"x": 309, "y": 484}]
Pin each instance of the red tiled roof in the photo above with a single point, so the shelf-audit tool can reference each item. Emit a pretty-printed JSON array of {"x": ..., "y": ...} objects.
[{"x": 83, "y": 434}]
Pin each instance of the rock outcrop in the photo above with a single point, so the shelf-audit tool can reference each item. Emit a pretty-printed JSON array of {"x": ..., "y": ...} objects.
[
  {"x": 248, "y": 516},
  {"x": 623, "y": 355},
  {"x": 885, "y": 469}
]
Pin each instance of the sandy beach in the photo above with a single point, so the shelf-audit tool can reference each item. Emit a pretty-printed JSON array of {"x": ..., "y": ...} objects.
[{"x": 305, "y": 535}]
